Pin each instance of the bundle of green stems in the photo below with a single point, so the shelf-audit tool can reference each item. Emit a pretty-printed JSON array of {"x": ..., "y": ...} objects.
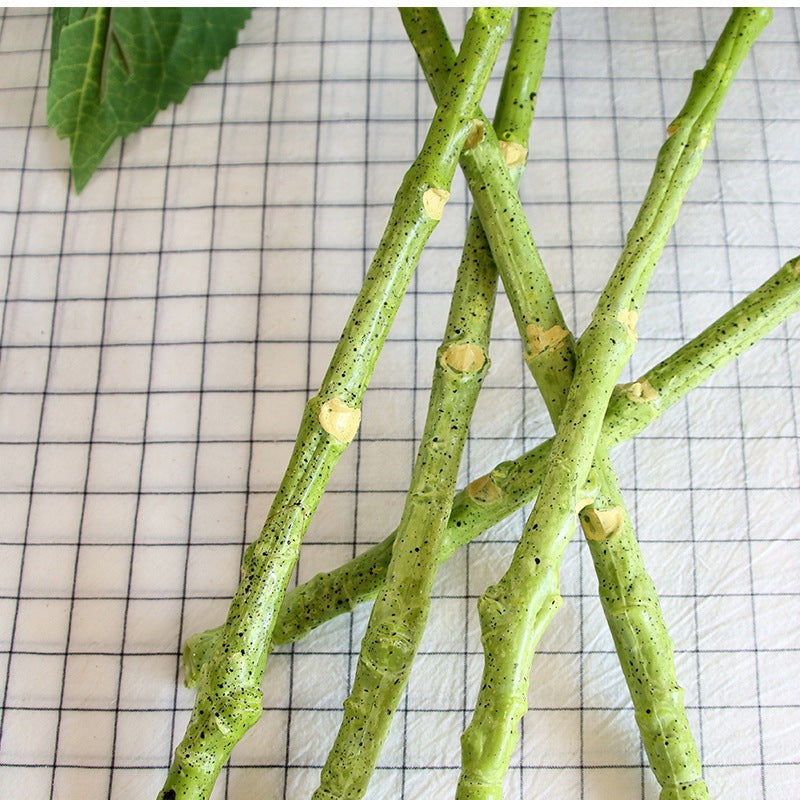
[{"x": 569, "y": 478}]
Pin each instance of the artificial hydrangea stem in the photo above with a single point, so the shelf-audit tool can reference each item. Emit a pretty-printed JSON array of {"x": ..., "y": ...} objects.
[
  {"x": 494, "y": 190},
  {"x": 228, "y": 699},
  {"x": 633, "y": 406},
  {"x": 630, "y": 604},
  {"x": 515, "y": 611},
  {"x": 680, "y": 158},
  {"x": 491, "y": 498},
  {"x": 510, "y": 485},
  {"x": 550, "y": 348},
  {"x": 401, "y": 607}
]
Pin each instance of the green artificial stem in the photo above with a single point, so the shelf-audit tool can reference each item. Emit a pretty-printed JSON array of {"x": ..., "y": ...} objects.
[
  {"x": 630, "y": 604},
  {"x": 329, "y": 594},
  {"x": 511, "y": 484},
  {"x": 401, "y": 607},
  {"x": 550, "y": 349},
  {"x": 495, "y": 194},
  {"x": 644, "y": 648},
  {"x": 635, "y": 405},
  {"x": 550, "y": 355},
  {"x": 520, "y": 87},
  {"x": 680, "y": 158},
  {"x": 228, "y": 699},
  {"x": 515, "y": 612}
]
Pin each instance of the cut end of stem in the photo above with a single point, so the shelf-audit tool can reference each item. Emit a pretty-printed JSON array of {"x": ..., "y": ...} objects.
[
  {"x": 514, "y": 154},
  {"x": 466, "y": 358},
  {"x": 640, "y": 391},
  {"x": 628, "y": 317},
  {"x": 599, "y": 525},
  {"x": 476, "y": 135},
  {"x": 484, "y": 490},
  {"x": 540, "y": 339},
  {"x": 339, "y": 420},
  {"x": 434, "y": 201}
]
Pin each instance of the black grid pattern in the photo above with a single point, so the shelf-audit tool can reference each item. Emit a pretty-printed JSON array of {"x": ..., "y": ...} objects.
[{"x": 161, "y": 332}]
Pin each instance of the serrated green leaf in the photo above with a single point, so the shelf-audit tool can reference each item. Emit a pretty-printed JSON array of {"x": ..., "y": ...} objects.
[{"x": 113, "y": 69}]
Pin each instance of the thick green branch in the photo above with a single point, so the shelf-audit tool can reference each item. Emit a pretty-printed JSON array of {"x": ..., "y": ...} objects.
[
  {"x": 492, "y": 497},
  {"x": 401, "y": 608},
  {"x": 494, "y": 190},
  {"x": 681, "y": 156},
  {"x": 514, "y": 611},
  {"x": 511, "y": 484},
  {"x": 229, "y": 697},
  {"x": 486, "y": 498},
  {"x": 641, "y": 639},
  {"x": 402, "y": 605},
  {"x": 550, "y": 349}
]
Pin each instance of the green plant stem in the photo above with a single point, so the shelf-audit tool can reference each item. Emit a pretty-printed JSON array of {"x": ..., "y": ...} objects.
[
  {"x": 630, "y": 604},
  {"x": 511, "y": 484},
  {"x": 550, "y": 354},
  {"x": 492, "y": 497},
  {"x": 644, "y": 648},
  {"x": 515, "y": 612},
  {"x": 497, "y": 202},
  {"x": 402, "y": 605},
  {"x": 228, "y": 700}
]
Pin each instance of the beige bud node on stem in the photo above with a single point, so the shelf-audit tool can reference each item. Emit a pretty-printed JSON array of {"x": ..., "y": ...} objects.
[
  {"x": 339, "y": 420},
  {"x": 641, "y": 391},
  {"x": 434, "y": 201},
  {"x": 581, "y": 504},
  {"x": 476, "y": 135},
  {"x": 673, "y": 128},
  {"x": 601, "y": 524},
  {"x": 628, "y": 317},
  {"x": 484, "y": 490},
  {"x": 540, "y": 339},
  {"x": 514, "y": 154},
  {"x": 463, "y": 357}
]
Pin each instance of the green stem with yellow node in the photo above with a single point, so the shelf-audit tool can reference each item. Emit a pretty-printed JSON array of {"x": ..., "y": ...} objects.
[
  {"x": 515, "y": 612},
  {"x": 228, "y": 698},
  {"x": 402, "y": 605}
]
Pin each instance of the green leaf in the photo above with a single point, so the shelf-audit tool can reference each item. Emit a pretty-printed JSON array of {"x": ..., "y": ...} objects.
[{"x": 113, "y": 69}]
